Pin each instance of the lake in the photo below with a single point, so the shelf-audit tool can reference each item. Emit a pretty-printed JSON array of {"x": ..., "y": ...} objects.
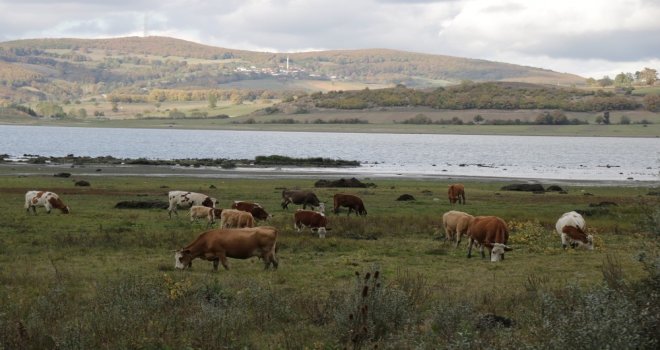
[{"x": 542, "y": 157}]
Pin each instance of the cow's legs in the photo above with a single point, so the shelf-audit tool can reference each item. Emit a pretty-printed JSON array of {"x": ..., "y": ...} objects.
[
  {"x": 470, "y": 247},
  {"x": 216, "y": 261},
  {"x": 481, "y": 250},
  {"x": 563, "y": 240},
  {"x": 223, "y": 260},
  {"x": 458, "y": 238}
]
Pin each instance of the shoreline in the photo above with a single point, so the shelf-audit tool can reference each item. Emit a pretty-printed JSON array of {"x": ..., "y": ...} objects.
[{"x": 99, "y": 170}]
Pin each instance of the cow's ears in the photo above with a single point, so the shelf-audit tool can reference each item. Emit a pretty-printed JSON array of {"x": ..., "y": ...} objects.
[
  {"x": 328, "y": 228},
  {"x": 507, "y": 248},
  {"x": 489, "y": 245}
]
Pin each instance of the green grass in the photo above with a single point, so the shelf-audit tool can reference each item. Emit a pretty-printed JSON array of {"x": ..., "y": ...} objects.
[{"x": 104, "y": 277}]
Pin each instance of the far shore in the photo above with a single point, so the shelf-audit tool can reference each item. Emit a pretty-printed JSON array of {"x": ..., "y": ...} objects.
[{"x": 96, "y": 170}]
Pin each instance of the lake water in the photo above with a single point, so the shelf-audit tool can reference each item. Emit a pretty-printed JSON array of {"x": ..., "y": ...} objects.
[{"x": 543, "y": 157}]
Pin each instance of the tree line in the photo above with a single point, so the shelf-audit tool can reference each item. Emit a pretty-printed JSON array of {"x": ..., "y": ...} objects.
[{"x": 507, "y": 96}]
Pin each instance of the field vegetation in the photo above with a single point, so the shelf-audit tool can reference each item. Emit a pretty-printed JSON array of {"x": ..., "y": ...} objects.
[{"x": 104, "y": 278}]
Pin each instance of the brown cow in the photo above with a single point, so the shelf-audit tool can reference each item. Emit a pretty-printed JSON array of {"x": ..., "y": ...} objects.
[
  {"x": 353, "y": 203},
  {"x": 257, "y": 211},
  {"x": 456, "y": 193},
  {"x": 489, "y": 231},
  {"x": 298, "y": 197},
  {"x": 314, "y": 220},
  {"x": 219, "y": 244},
  {"x": 456, "y": 224},
  {"x": 232, "y": 218}
]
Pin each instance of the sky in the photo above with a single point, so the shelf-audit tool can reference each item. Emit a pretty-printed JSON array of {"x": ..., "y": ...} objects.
[{"x": 591, "y": 38}]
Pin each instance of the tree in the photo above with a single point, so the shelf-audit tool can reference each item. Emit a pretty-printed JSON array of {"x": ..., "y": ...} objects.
[
  {"x": 115, "y": 108},
  {"x": 591, "y": 81},
  {"x": 599, "y": 119},
  {"x": 213, "y": 100},
  {"x": 605, "y": 81},
  {"x": 648, "y": 75},
  {"x": 478, "y": 118},
  {"x": 622, "y": 79},
  {"x": 624, "y": 120}
]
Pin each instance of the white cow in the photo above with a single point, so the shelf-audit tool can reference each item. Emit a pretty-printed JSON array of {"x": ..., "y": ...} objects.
[
  {"x": 48, "y": 200},
  {"x": 186, "y": 199},
  {"x": 571, "y": 227}
]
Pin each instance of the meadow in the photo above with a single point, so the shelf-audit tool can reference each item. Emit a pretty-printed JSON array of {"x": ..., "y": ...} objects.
[{"x": 104, "y": 278}]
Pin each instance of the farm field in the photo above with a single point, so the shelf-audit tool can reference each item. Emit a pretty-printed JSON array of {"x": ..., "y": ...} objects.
[{"x": 104, "y": 278}]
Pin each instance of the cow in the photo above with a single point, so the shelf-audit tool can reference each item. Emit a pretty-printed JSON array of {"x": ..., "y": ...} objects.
[
  {"x": 257, "y": 211},
  {"x": 456, "y": 193},
  {"x": 489, "y": 231},
  {"x": 200, "y": 211},
  {"x": 299, "y": 197},
  {"x": 48, "y": 200},
  {"x": 232, "y": 218},
  {"x": 572, "y": 227},
  {"x": 456, "y": 224},
  {"x": 219, "y": 244},
  {"x": 188, "y": 199},
  {"x": 314, "y": 220},
  {"x": 353, "y": 203}
]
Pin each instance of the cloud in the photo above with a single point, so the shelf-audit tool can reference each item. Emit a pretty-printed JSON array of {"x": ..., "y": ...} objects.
[{"x": 560, "y": 33}]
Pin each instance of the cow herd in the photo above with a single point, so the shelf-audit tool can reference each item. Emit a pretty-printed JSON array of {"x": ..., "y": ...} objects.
[{"x": 237, "y": 237}]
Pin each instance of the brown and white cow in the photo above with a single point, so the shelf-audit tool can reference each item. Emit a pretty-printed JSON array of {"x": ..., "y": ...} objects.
[
  {"x": 352, "y": 202},
  {"x": 186, "y": 199},
  {"x": 491, "y": 232},
  {"x": 571, "y": 227},
  {"x": 314, "y": 220},
  {"x": 257, "y": 211},
  {"x": 456, "y": 224},
  {"x": 219, "y": 244},
  {"x": 48, "y": 200},
  {"x": 299, "y": 197},
  {"x": 232, "y": 218},
  {"x": 456, "y": 193}
]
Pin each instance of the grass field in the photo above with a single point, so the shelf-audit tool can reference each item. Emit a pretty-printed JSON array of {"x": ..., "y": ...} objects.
[{"x": 104, "y": 277}]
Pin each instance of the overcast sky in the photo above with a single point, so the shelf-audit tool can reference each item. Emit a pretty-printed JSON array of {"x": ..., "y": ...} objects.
[{"x": 591, "y": 38}]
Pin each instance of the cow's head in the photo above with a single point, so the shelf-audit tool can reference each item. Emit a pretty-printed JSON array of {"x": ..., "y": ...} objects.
[
  {"x": 321, "y": 208},
  {"x": 589, "y": 245},
  {"x": 497, "y": 251},
  {"x": 66, "y": 210},
  {"x": 260, "y": 214},
  {"x": 182, "y": 259}
]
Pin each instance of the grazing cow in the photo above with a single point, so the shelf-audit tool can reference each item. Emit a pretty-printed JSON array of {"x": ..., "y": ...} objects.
[
  {"x": 48, "y": 200},
  {"x": 489, "y": 231},
  {"x": 456, "y": 193},
  {"x": 257, "y": 211},
  {"x": 456, "y": 224},
  {"x": 314, "y": 220},
  {"x": 353, "y": 203},
  {"x": 188, "y": 199},
  {"x": 232, "y": 218},
  {"x": 219, "y": 244},
  {"x": 200, "y": 211},
  {"x": 299, "y": 197},
  {"x": 571, "y": 227}
]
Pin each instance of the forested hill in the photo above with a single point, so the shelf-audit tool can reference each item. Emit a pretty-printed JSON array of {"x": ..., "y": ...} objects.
[
  {"x": 163, "y": 62},
  {"x": 490, "y": 95}
]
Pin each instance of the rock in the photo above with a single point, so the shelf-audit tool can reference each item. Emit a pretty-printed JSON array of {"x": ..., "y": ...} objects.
[
  {"x": 62, "y": 175},
  {"x": 352, "y": 182},
  {"x": 523, "y": 187},
  {"x": 406, "y": 197},
  {"x": 152, "y": 204},
  {"x": 603, "y": 204},
  {"x": 554, "y": 188},
  {"x": 490, "y": 321},
  {"x": 82, "y": 183}
]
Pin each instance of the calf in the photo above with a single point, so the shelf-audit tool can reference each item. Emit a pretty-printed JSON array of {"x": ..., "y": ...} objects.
[
  {"x": 489, "y": 231},
  {"x": 353, "y": 203},
  {"x": 48, "y": 200},
  {"x": 232, "y": 218},
  {"x": 299, "y": 197},
  {"x": 202, "y": 212},
  {"x": 456, "y": 193},
  {"x": 314, "y": 220},
  {"x": 188, "y": 199},
  {"x": 456, "y": 224},
  {"x": 571, "y": 227},
  {"x": 257, "y": 211},
  {"x": 219, "y": 244}
]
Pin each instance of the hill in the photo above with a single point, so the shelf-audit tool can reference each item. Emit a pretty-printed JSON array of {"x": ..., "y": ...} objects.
[{"x": 61, "y": 69}]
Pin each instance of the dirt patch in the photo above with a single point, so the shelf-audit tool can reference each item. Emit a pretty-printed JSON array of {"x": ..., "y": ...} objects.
[
  {"x": 352, "y": 182},
  {"x": 151, "y": 204}
]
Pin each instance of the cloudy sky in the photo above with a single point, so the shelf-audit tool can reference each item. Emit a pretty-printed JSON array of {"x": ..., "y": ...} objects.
[{"x": 591, "y": 38}]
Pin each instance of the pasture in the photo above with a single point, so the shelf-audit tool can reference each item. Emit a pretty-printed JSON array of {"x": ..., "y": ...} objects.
[{"x": 104, "y": 278}]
